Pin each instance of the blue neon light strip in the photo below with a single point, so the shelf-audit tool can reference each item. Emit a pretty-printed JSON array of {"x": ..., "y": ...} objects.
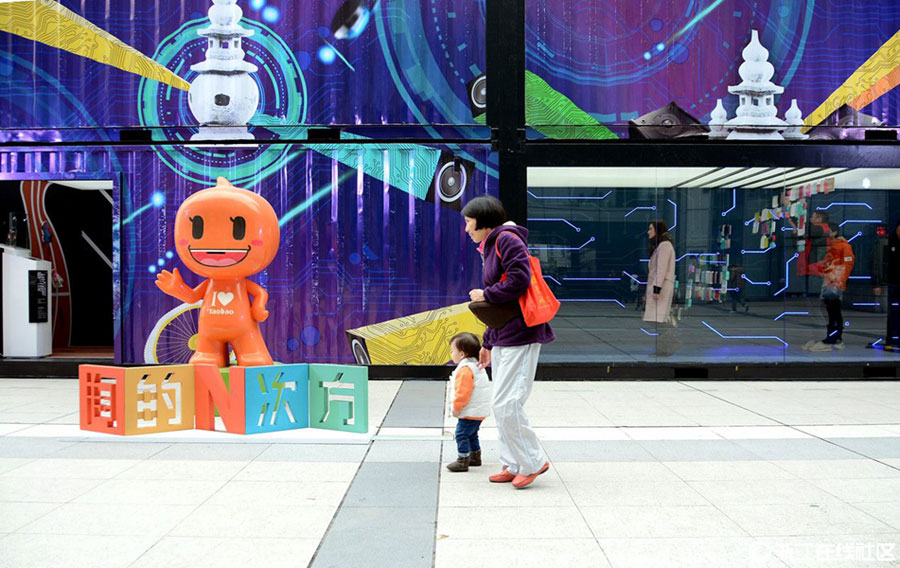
[
  {"x": 643, "y": 207},
  {"x": 577, "y": 229},
  {"x": 787, "y": 274},
  {"x": 322, "y": 192},
  {"x": 137, "y": 212},
  {"x": 860, "y": 221},
  {"x": 858, "y": 234},
  {"x": 782, "y": 314},
  {"x": 758, "y": 251},
  {"x": 733, "y": 203},
  {"x": 680, "y": 258},
  {"x": 592, "y": 279},
  {"x": 651, "y": 334},
  {"x": 866, "y": 303},
  {"x": 675, "y": 205},
  {"x": 548, "y": 277},
  {"x": 593, "y": 300},
  {"x": 633, "y": 277},
  {"x": 830, "y": 205},
  {"x": 586, "y": 243},
  {"x": 569, "y": 198},
  {"x": 338, "y": 53},
  {"x": 702, "y": 14},
  {"x": 714, "y": 330},
  {"x": 766, "y": 283}
]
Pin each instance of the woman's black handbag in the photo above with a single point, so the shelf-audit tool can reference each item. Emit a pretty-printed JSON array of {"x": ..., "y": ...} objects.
[{"x": 495, "y": 315}]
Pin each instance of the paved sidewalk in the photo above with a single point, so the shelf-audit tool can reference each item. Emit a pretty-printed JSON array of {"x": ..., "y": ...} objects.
[{"x": 642, "y": 474}]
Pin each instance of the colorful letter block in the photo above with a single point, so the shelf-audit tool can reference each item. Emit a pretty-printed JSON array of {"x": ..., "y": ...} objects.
[
  {"x": 214, "y": 394},
  {"x": 249, "y": 400},
  {"x": 136, "y": 400},
  {"x": 339, "y": 397},
  {"x": 276, "y": 397}
]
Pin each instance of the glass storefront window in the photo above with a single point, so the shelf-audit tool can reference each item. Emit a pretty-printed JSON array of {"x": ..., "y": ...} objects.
[{"x": 757, "y": 252}]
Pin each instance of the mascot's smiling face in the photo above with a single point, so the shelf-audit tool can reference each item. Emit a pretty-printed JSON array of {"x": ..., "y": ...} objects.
[{"x": 226, "y": 232}]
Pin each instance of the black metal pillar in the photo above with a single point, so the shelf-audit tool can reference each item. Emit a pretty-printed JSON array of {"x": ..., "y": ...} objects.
[{"x": 505, "y": 45}]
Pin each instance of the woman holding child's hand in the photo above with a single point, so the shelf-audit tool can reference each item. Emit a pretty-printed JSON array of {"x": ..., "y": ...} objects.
[{"x": 513, "y": 349}]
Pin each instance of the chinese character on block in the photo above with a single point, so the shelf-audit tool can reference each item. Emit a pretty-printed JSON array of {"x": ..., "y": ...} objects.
[
  {"x": 339, "y": 397},
  {"x": 136, "y": 400},
  {"x": 277, "y": 397}
]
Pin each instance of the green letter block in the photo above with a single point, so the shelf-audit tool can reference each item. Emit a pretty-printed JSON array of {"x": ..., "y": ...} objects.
[{"x": 339, "y": 397}]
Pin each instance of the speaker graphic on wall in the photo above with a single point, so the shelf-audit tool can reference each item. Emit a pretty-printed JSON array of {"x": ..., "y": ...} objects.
[
  {"x": 666, "y": 123},
  {"x": 451, "y": 178},
  {"x": 350, "y": 19},
  {"x": 477, "y": 90},
  {"x": 360, "y": 349}
]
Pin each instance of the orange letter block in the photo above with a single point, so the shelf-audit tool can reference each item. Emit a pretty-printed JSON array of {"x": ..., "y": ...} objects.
[
  {"x": 136, "y": 400},
  {"x": 212, "y": 395}
]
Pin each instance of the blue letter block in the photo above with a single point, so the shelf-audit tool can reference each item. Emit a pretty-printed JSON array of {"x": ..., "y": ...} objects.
[
  {"x": 339, "y": 397},
  {"x": 277, "y": 398}
]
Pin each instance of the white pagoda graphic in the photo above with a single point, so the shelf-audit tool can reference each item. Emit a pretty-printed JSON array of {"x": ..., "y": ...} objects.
[
  {"x": 756, "y": 116},
  {"x": 224, "y": 97}
]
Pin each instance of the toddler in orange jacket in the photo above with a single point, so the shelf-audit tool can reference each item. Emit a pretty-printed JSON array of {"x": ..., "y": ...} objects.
[{"x": 469, "y": 400}]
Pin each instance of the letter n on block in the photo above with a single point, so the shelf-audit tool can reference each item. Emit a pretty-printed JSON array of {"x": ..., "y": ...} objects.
[
  {"x": 136, "y": 400},
  {"x": 277, "y": 397},
  {"x": 212, "y": 393},
  {"x": 339, "y": 397}
]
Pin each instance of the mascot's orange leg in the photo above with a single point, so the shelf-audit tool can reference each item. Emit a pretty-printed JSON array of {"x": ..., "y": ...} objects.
[
  {"x": 251, "y": 350},
  {"x": 210, "y": 352}
]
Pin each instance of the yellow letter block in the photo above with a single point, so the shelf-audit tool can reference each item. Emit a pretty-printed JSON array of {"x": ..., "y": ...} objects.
[
  {"x": 159, "y": 399},
  {"x": 142, "y": 399}
]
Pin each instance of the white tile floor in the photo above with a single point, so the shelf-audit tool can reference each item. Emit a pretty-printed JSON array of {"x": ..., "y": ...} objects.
[{"x": 694, "y": 473}]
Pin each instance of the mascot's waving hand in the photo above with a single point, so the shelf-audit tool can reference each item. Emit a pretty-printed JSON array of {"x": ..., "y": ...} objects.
[{"x": 225, "y": 234}]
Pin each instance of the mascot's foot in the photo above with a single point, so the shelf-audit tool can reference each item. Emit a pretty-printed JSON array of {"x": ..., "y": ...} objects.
[
  {"x": 207, "y": 359},
  {"x": 254, "y": 360}
]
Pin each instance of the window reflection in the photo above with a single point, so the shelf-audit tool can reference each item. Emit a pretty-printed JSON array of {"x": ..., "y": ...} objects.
[{"x": 770, "y": 264}]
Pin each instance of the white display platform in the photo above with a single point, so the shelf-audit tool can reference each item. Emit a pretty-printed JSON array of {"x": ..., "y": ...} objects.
[{"x": 27, "y": 304}]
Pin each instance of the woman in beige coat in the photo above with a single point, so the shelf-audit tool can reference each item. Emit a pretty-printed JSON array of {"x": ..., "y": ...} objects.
[{"x": 661, "y": 285}]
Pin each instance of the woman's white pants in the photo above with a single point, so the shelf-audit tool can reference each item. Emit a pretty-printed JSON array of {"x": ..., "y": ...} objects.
[{"x": 513, "y": 375}]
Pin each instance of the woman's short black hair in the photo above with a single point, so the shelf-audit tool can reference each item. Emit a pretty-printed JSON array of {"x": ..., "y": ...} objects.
[
  {"x": 467, "y": 343},
  {"x": 487, "y": 211}
]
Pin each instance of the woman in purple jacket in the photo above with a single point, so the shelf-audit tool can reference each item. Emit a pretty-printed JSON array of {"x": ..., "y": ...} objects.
[{"x": 514, "y": 348}]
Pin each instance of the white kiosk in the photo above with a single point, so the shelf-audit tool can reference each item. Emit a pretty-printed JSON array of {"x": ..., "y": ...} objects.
[{"x": 26, "y": 305}]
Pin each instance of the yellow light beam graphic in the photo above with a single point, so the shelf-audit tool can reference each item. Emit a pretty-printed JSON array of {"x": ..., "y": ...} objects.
[
  {"x": 865, "y": 84},
  {"x": 881, "y": 87},
  {"x": 48, "y": 22}
]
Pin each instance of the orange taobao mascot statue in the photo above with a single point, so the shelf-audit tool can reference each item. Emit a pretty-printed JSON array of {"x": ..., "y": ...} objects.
[{"x": 225, "y": 234}]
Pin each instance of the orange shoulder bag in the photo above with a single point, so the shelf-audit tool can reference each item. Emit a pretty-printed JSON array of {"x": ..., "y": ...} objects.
[{"x": 538, "y": 304}]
